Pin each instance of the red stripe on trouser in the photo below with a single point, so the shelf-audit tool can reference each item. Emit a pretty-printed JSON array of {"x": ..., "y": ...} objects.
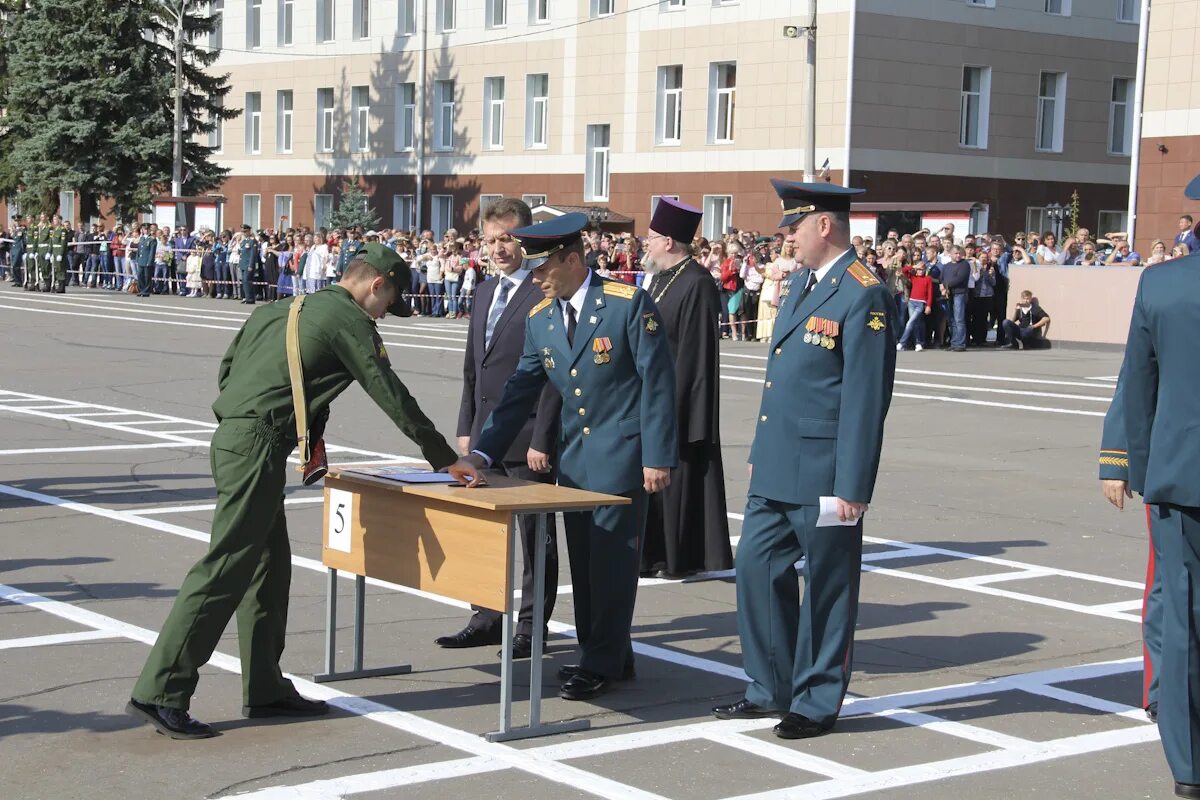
[{"x": 1147, "y": 667}]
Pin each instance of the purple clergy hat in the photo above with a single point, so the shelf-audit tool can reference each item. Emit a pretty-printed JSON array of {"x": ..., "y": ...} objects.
[{"x": 673, "y": 218}]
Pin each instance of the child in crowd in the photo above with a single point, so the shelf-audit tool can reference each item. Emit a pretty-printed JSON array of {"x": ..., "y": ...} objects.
[{"x": 194, "y": 263}]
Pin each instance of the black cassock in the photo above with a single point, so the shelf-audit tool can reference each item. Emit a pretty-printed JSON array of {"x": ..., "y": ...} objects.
[{"x": 687, "y": 529}]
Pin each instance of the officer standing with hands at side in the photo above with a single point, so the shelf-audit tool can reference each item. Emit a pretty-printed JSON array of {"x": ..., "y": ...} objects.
[
  {"x": 248, "y": 565},
  {"x": 250, "y": 260},
  {"x": 601, "y": 343},
  {"x": 820, "y": 432}
]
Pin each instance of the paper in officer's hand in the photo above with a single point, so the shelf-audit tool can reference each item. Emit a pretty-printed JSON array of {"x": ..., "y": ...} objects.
[{"x": 829, "y": 514}]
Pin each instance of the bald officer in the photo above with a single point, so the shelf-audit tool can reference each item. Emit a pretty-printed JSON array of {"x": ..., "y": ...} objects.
[
  {"x": 248, "y": 565},
  {"x": 601, "y": 343},
  {"x": 820, "y": 431}
]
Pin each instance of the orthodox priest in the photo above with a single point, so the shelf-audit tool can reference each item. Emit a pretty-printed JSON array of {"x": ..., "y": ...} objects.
[{"x": 687, "y": 530}]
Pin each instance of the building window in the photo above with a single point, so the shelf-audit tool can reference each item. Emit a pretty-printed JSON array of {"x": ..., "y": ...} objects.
[
  {"x": 325, "y": 20},
  {"x": 655, "y": 198},
  {"x": 1061, "y": 8},
  {"x": 1051, "y": 111},
  {"x": 1120, "y": 118},
  {"x": 718, "y": 215},
  {"x": 287, "y": 22},
  {"x": 722, "y": 84},
  {"x": 217, "y": 37},
  {"x": 407, "y": 18},
  {"x": 669, "y": 123},
  {"x": 253, "y": 122},
  {"x": 443, "y": 215},
  {"x": 1127, "y": 11},
  {"x": 602, "y": 8},
  {"x": 283, "y": 121},
  {"x": 406, "y": 116},
  {"x": 403, "y": 218},
  {"x": 539, "y": 12},
  {"x": 360, "y": 122},
  {"x": 534, "y": 200},
  {"x": 362, "y": 19},
  {"x": 486, "y": 200},
  {"x": 66, "y": 206},
  {"x": 283, "y": 212},
  {"x": 445, "y": 15},
  {"x": 497, "y": 13},
  {"x": 674, "y": 5},
  {"x": 537, "y": 110},
  {"x": 596, "y": 169},
  {"x": 252, "y": 211},
  {"x": 216, "y": 137},
  {"x": 322, "y": 210},
  {"x": 1111, "y": 222},
  {"x": 982, "y": 3},
  {"x": 493, "y": 113},
  {"x": 254, "y": 24},
  {"x": 974, "y": 107},
  {"x": 443, "y": 120},
  {"x": 324, "y": 120}
]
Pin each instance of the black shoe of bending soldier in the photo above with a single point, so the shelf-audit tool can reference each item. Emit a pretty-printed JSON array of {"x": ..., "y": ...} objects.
[
  {"x": 173, "y": 722},
  {"x": 293, "y": 706}
]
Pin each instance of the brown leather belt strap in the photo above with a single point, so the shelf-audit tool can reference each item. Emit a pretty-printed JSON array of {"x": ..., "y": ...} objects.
[{"x": 296, "y": 374}]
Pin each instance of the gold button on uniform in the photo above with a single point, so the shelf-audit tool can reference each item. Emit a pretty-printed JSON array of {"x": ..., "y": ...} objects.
[
  {"x": 578, "y": 392},
  {"x": 574, "y": 372},
  {"x": 582, "y": 411},
  {"x": 586, "y": 431},
  {"x": 768, "y": 384},
  {"x": 763, "y": 418},
  {"x": 778, "y": 350}
]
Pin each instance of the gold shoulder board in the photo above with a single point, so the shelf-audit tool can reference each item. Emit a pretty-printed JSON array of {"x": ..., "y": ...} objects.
[
  {"x": 618, "y": 289},
  {"x": 545, "y": 302},
  {"x": 863, "y": 275}
]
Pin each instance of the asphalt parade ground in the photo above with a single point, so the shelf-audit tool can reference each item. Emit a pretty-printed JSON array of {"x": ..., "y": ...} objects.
[{"x": 998, "y": 646}]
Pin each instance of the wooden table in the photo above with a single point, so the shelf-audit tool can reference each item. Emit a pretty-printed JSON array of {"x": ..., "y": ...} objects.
[{"x": 446, "y": 540}]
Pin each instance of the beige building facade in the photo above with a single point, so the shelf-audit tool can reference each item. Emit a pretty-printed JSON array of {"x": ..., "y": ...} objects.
[{"x": 993, "y": 109}]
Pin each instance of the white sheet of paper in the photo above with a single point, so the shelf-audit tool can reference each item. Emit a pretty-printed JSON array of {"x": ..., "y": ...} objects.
[
  {"x": 829, "y": 514},
  {"x": 340, "y": 508}
]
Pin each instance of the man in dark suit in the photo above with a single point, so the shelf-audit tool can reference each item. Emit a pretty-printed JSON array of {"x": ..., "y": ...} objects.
[
  {"x": 1161, "y": 405},
  {"x": 495, "y": 341}
]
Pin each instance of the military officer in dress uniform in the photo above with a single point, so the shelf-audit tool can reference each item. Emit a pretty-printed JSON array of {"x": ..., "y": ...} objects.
[
  {"x": 144, "y": 259},
  {"x": 1161, "y": 403},
  {"x": 248, "y": 565},
  {"x": 41, "y": 255},
  {"x": 17, "y": 254},
  {"x": 601, "y": 343},
  {"x": 1114, "y": 480},
  {"x": 250, "y": 261},
  {"x": 820, "y": 431},
  {"x": 350, "y": 248},
  {"x": 56, "y": 272}
]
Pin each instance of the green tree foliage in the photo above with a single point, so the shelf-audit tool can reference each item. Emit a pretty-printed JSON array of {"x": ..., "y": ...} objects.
[{"x": 353, "y": 209}]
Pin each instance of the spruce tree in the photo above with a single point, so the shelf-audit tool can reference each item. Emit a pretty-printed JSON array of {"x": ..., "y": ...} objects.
[{"x": 353, "y": 209}]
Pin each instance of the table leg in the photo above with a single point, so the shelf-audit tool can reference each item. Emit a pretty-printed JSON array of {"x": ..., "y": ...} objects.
[
  {"x": 539, "y": 623},
  {"x": 360, "y": 624},
  {"x": 506, "y": 670},
  {"x": 330, "y": 620},
  {"x": 360, "y": 608}
]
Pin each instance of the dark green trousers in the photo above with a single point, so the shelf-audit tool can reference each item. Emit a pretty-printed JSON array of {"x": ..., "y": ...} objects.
[{"x": 247, "y": 570}]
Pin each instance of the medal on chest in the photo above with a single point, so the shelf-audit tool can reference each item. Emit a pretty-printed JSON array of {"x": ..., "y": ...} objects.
[
  {"x": 601, "y": 346},
  {"x": 548, "y": 361}
]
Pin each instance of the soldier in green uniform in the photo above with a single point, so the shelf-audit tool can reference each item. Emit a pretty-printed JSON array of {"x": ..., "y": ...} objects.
[
  {"x": 248, "y": 565},
  {"x": 17, "y": 254},
  {"x": 55, "y": 274},
  {"x": 350, "y": 248},
  {"x": 41, "y": 254}
]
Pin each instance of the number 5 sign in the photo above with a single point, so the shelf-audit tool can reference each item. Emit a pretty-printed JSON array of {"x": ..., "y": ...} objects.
[{"x": 340, "y": 508}]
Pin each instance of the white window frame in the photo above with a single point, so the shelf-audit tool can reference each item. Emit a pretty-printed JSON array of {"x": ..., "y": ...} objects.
[
  {"x": 1125, "y": 109},
  {"x": 441, "y": 215},
  {"x": 66, "y": 206},
  {"x": 253, "y": 24},
  {"x": 283, "y": 202},
  {"x": 493, "y": 113},
  {"x": 362, "y": 19},
  {"x": 539, "y": 12},
  {"x": 1059, "y": 109},
  {"x": 406, "y": 17},
  {"x": 326, "y": 21},
  {"x": 444, "y": 112},
  {"x": 322, "y": 210},
  {"x": 537, "y": 109},
  {"x": 598, "y": 168},
  {"x": 711, "y": 231},
  {"x": 983, "y": 99},
  {"x": 216, "y": 38},
  {"x": 534, "y": 200},
  {"x": 406, "y": 117},
  {"x": 1064, "y": 8},
  {"x": 486, "y": 200},
  {"x": 601, "y": 8},
  {"x": 669, "y": 6},
  {"x": 718, "y": 133},
  {"x": 360, "y": 119},
  {"x": 216, "y": 137},
  {"x": 655, "y": 199},
  {"x": 253, "y": 123},
  {"x": 285, "y": 105},
  {"x": 981, "y": 3},
  {"x": 287, "y": 23},
  {"x": 404, "y": 216},
  {"x": 1134, "y": 9},
  {"x": 447, "y": 16},
  {"x": 255, "y": 220},
  {"x": 325, "y": 103},
  {"x": 668, "y": 125},
  {"x": 496, "y": 14},
  {"x": 1122, "y": 224}
]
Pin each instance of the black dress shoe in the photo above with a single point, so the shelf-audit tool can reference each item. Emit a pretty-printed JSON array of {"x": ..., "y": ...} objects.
[
  {"x": 294, "y": 706},
  {"x": 1152, "y": 711},
  {"x": 522, "y": 646},
  {"x": 469, "y": 637},
  {"x": 1187, "y": 789},
  {"x": 743, "y": 709},
  {"x": 565, "y": 673},
  {"x": 584, "y": 685},
  {"x": 798, "y": 726},
  {"x": 173, "y": 722}
]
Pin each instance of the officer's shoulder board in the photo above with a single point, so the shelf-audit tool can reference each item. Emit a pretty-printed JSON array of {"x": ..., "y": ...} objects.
[
  {"x": 617, "y": 289},
  {"x": 545, "y": 302},
  {"x": 863, "y": 275}
]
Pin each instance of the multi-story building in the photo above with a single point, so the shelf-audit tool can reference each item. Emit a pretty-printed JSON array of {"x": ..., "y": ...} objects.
[{"x": 1169, "y": 155}]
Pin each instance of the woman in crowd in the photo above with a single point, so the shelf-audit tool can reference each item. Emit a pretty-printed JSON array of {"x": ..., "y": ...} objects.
[
  {"x": 731, "y": 297},
  {"x": 208, "y": 266},
  {"x": 235, "y": 264},
  {"x": 775, "y": 279},
  {"x": 1180, "y": 250},
  {"x": 1158, "y": 253},
  {"x": 286, "y": 285},
  {"x": 163, "y": 261},
  {"x": 470, "y": 278},
  {"x": 752, "y": 274},
  {"x": 1049, "y": 252},
  {"x": 269, "y": 253},
  {"x": 982, "y": 298},
  {"x": 451, "y": 273},
  {"x": 122, "y": 268},
  {"x": 920, "y": 305}
]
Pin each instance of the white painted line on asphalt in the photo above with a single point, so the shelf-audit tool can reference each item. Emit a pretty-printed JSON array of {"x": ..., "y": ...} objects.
[
  {"x": 376, "y": 712},
  {"x": 148, "y": 512},
  {"x": 378, "y": 781},
  {"x": 958, "y": 729},
  {"x": 1087, "y": 701},
  {"x": 106, "y": 413},
  {"x": 1124, "y": 605},
  {"x": 55, "y": 638},
  {"x": 55, "y": 407},
  {"x": 786, "y": 756},
  {"x": 32, "y": 451},
  {"x": 119, "y": 318}
]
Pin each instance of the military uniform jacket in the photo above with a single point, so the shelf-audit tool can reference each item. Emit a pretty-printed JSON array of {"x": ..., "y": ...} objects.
[
  {"x": 18, "y": 244},
  {"x": 349, "y": 250},
  {"x": 820, "y": 426},
  {"x": 58, "y": 243},
  {"x": 249, "y": 256},
  {"x": 146, "y": 247},
  {"x": 42, "y": 238},
  {"x": 1114, "y": 454},
  {"x": 339, "y": 344},
  {"x": 1161, "y": 400},
  {"x": 617, "y": 384}
]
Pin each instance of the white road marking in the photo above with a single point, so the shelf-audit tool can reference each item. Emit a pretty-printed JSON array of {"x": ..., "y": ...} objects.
[
  {"x": 31, "y": 451},
  {"x": 148, "y": 512},
  {"x": 55, "y": 638},
  {"x": 378, "y": 781},
  {"x": 786, "y": 756}
]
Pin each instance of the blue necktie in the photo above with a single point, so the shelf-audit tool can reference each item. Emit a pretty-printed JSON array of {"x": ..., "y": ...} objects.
[{"x": 497, "y": 310}]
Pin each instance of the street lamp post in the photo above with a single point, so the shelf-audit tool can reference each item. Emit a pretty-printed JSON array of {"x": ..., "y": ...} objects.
[
  {"x": 1056, "y": 212},
  {"x": 177, "y": 93}
]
